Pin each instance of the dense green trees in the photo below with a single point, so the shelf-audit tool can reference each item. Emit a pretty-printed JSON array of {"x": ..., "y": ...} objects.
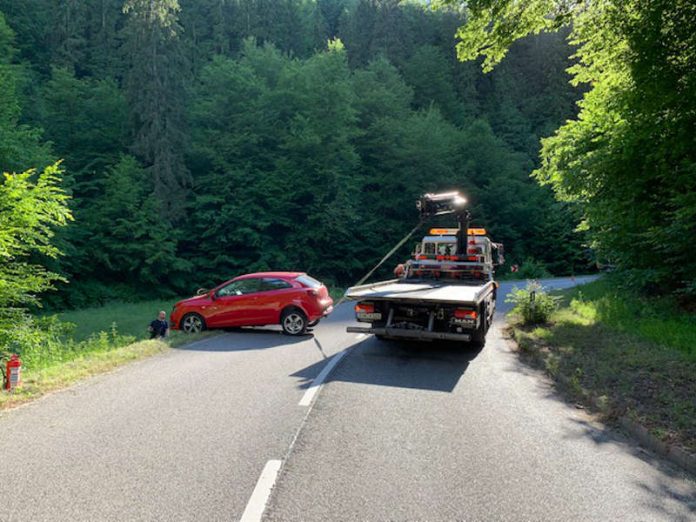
[
  {"x": 629, "y": 159},
  {"x": 203, "y": 139},
  {"x": 20, "y": 144}
]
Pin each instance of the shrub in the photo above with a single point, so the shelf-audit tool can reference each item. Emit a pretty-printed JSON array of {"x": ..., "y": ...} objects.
[
  {"x": 47, "y": 341},
  {"x": 533, "y": 269},
  {"x": 532, "y": 303}
]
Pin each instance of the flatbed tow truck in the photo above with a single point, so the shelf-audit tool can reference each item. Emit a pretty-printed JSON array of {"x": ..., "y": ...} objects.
[{"x": 446, "y": 291}]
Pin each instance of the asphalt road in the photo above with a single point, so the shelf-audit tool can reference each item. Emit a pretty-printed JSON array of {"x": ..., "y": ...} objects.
[{"x": 397, "y": 432}]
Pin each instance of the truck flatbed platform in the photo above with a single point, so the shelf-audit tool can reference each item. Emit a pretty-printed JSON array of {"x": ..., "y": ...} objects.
[{"x": 422, "y": 291}]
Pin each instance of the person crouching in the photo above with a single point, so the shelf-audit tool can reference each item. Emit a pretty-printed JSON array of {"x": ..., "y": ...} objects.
[{"x": 159, "y": 327}]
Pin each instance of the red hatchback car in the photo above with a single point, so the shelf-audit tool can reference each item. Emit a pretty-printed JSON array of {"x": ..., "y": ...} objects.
[{"x": 292, "y": 299}]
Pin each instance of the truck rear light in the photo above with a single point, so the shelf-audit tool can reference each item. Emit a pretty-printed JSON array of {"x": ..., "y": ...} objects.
[
  {"x": 461, "y": 313},
  {"x": 365, "y": 308}
]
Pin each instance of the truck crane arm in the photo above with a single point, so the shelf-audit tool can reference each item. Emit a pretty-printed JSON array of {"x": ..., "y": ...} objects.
[{"x": 431, "y": 205}]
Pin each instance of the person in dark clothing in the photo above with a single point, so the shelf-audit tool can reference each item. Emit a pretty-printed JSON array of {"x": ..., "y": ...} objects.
[{"x": 159, "y": 327}]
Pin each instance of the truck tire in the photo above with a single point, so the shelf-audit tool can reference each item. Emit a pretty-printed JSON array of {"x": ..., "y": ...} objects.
[{"x": 478, "y": 338}]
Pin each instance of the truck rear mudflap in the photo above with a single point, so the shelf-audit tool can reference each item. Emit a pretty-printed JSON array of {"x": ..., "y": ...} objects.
[{"x": 410, "y": 334}]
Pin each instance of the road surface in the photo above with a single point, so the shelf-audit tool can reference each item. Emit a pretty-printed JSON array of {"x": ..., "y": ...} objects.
[{"x": 236, "y": 427}]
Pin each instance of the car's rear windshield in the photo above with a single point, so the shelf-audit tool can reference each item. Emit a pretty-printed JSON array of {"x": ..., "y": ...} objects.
[{"x": 308, "y": 281}]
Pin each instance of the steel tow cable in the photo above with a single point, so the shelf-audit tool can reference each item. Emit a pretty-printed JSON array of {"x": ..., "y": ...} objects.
[{"x": 383, "y": 260}]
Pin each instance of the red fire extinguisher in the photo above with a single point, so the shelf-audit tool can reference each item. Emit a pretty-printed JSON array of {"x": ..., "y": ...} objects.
[{"x": 13, "y": 372}]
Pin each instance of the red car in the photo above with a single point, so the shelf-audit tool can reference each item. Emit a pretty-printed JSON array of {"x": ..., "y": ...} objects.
[{"x": 292, "y": 299}]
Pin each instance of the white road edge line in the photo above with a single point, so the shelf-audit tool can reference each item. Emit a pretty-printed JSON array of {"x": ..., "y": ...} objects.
[
  {"x": 257, "y": 503},
  {"x": 319, "y": 380}
]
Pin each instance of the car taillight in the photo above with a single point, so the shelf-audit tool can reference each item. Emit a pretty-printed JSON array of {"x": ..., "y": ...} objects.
[
  {"x": 461, "y": 313},
  {"x": 365, "y": 308}
]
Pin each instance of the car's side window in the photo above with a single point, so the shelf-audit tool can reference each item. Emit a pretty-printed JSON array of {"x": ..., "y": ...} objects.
[
  {"x": 245, "y": 286},
  {"x": 268, "y": 284},
  {"x": 249, "y": 286},
  {"x": 231, "y": 289}
]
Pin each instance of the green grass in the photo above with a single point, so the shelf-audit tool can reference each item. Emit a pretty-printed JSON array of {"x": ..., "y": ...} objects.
[
  {"x": 657, "y": 321},
  {"x": 131, "y": 319},
  {"x": 633, "y": 358}
]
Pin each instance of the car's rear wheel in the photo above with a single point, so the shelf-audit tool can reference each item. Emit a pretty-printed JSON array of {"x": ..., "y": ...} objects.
[
  {"x": 293, "y": 321},
  {"x": 192, "y": 323}
]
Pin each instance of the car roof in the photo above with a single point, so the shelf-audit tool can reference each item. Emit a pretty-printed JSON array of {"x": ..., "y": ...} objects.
[{"x": 282, "y": 275}]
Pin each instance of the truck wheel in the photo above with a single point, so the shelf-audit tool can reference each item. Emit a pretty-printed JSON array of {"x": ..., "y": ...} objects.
[
  {"x": 293, "y": 321},
  {"x": 478, "y": 339}
]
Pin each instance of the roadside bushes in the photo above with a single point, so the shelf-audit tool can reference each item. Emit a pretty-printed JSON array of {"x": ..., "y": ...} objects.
[
  {"x": 47, "y": 341},
  {"x": 532, "y": 303}
]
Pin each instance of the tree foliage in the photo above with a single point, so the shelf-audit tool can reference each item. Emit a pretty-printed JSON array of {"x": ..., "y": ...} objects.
[
  {"x": 155, "y": 91},
  {"x": 31, "y": 206},
  {"x": 203, "y": 139},
  {"x": 628, "y": 159}
]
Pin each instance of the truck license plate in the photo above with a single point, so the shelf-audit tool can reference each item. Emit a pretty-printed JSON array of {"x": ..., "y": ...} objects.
[{"x": 376, "y": 316}]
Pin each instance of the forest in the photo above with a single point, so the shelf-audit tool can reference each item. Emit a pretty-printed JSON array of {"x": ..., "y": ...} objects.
[{"x": 196, "y": 140}]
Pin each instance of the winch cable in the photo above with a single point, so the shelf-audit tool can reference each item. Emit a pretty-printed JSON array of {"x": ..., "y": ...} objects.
[{"x": 384, "y": 259}]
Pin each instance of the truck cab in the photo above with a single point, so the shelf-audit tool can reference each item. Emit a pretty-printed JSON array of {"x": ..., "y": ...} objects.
[{"x": 437, "y": 256}]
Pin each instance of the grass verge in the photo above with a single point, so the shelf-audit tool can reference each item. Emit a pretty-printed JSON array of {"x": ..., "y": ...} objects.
[
  {"x": 130, "y": 319},
  {"x": 40, "y": 381},
  {"x": 77, "y": 344},
  {"x": 623, "y": 356}
]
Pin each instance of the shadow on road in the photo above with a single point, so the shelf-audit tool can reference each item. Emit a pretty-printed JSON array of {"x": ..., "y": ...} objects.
[
  {"x": 240, "y": 339},
  {"x": 427, "y": 366}
]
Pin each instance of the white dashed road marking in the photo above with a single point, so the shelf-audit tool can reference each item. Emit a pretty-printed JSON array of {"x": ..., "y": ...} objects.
[
  {"x": 257, "y": 503},
  {"x": 319, "y": 380}
]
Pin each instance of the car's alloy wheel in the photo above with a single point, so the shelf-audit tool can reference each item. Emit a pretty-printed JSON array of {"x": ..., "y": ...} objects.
[
  {"x": 294, "y": 322},
  {"x": 192, "y": 324}
]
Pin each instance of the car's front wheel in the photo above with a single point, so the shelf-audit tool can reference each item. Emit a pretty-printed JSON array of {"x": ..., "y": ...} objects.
[
  {"x": 192, "y": 323},
  {"x": 293, "y": 322}
]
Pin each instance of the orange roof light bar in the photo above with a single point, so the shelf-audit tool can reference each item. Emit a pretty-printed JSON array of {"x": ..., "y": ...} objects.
[
  {"x": 443, "y": 231},
  {"x": 453, "y": 232}
]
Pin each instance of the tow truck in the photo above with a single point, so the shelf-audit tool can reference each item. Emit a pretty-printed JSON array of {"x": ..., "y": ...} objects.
[{"x": 446, "y": 291}]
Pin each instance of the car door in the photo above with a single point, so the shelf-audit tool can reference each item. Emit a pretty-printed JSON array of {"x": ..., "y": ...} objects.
[{"x": 235, "y": 304}]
